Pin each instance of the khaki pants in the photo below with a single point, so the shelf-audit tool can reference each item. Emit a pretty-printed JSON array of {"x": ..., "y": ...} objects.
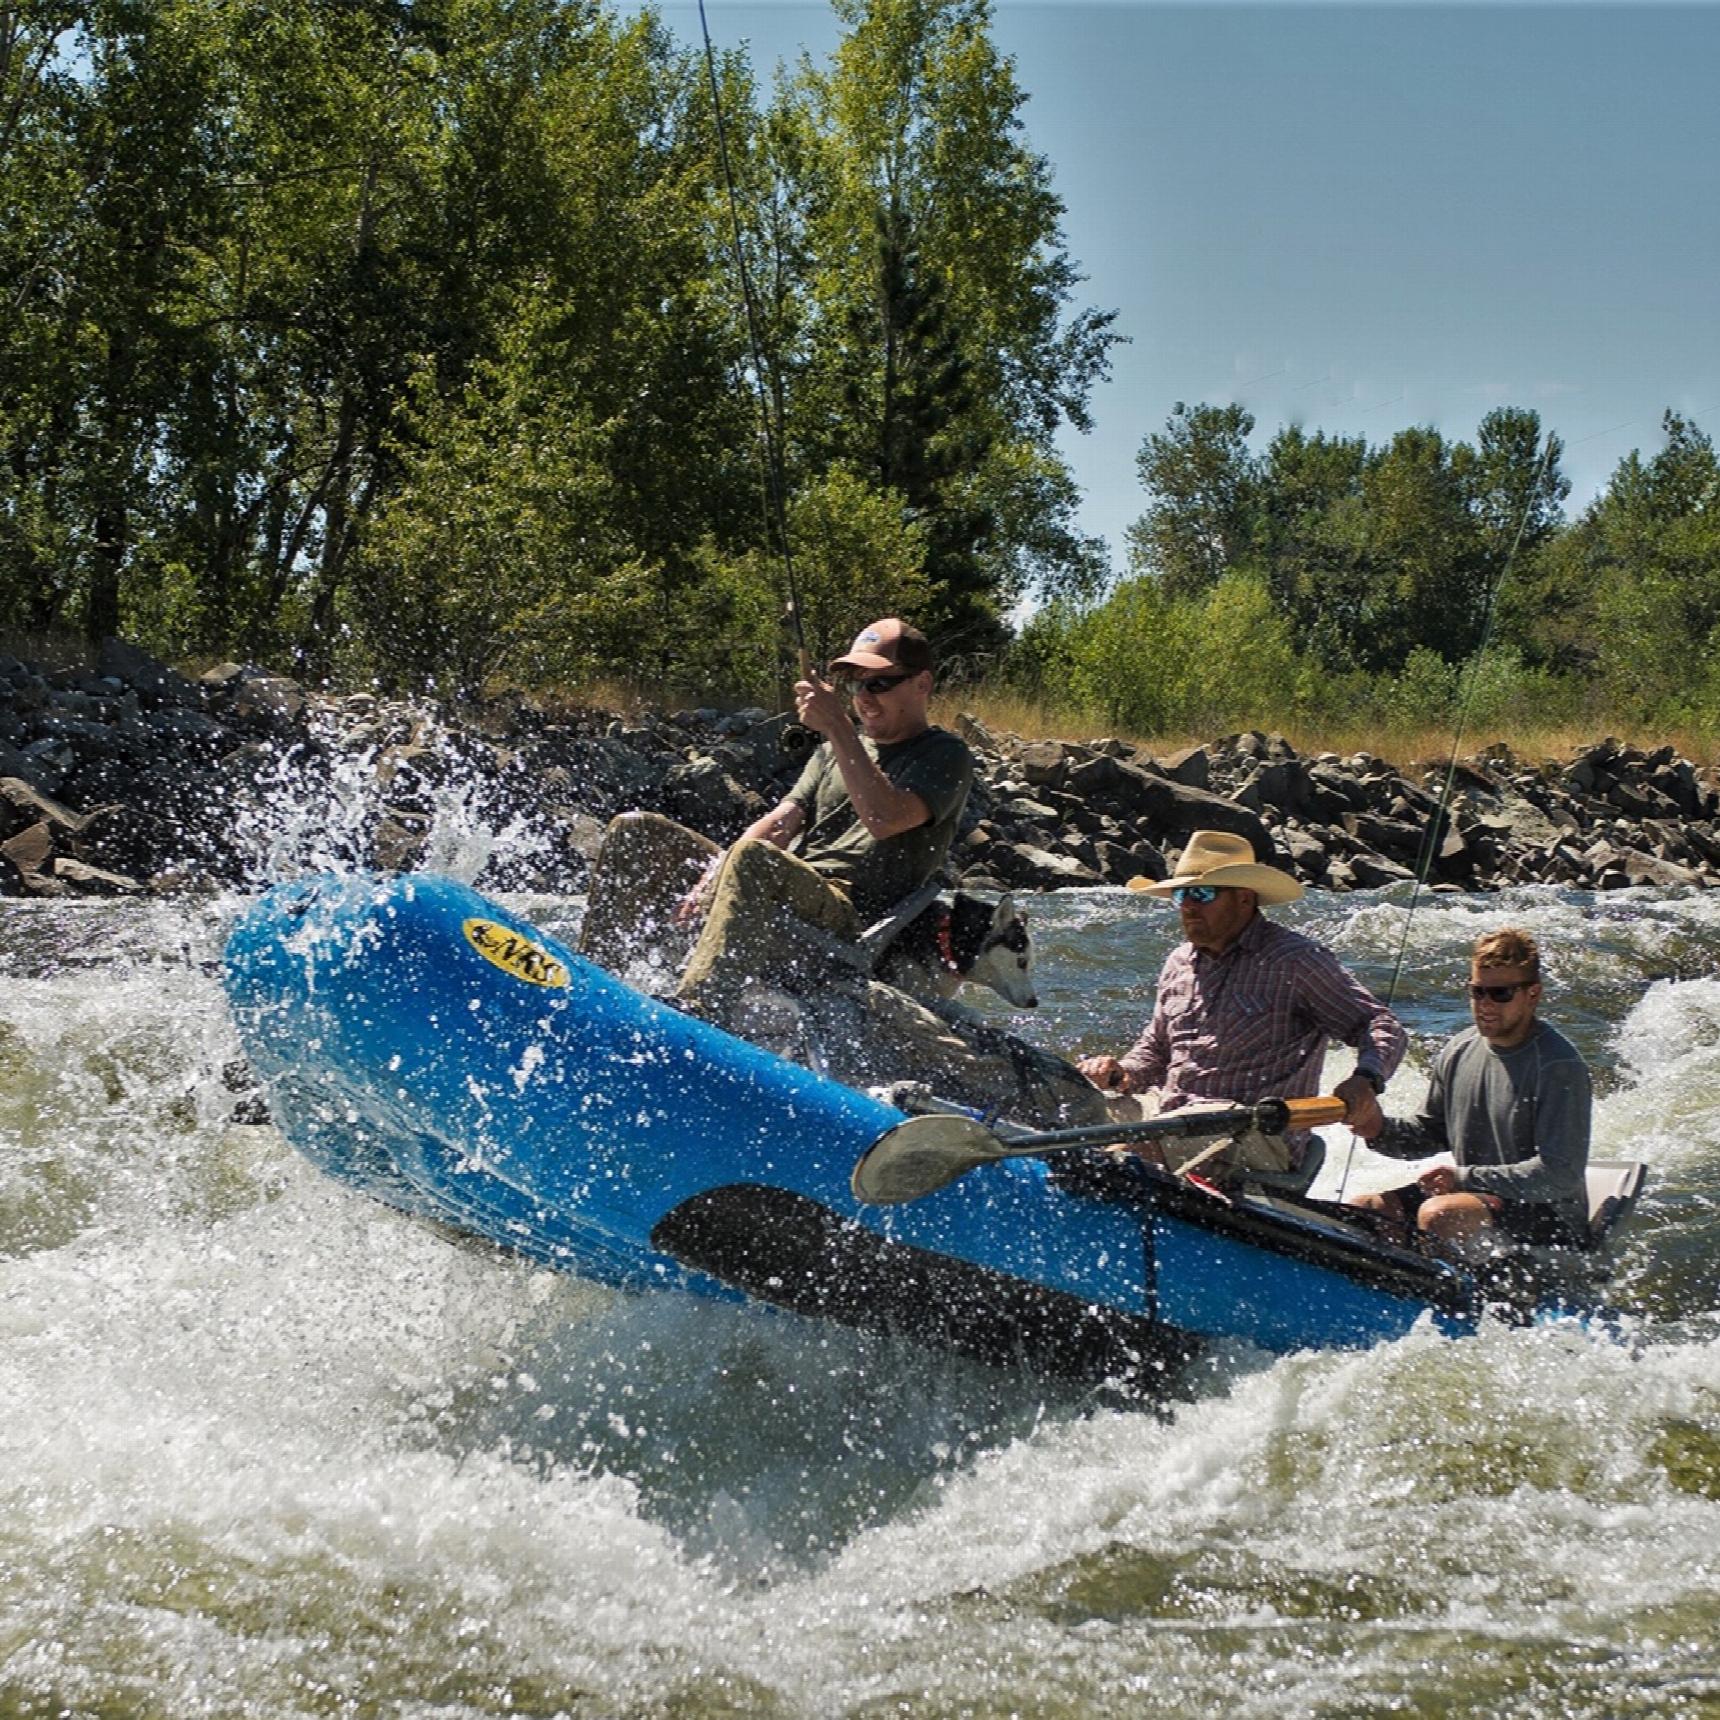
[
  {"x": 1228, "y": 1166},
  {"x": 646, "y": 865},
  {"x": 757, "y": 928},
  {"x": 971, "y": 1063}
]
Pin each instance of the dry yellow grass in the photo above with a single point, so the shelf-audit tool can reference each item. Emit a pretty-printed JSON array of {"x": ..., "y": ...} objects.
[
  {"x": 1003, "y": 711},
  {"x": 1006, "y": 711}
]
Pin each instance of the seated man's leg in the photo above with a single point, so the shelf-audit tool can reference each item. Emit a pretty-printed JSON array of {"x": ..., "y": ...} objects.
[
  {"x": 967, "y": 1062},
  {"x": 764, "y": 896},
  {"x": 1454, "y": 1217},
  {"x": 646, "y": 865},
  {"x": 1224, "y": 1165}
]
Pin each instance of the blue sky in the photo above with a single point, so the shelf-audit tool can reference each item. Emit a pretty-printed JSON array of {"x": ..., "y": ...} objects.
[{"x": 1358, "y": 218}]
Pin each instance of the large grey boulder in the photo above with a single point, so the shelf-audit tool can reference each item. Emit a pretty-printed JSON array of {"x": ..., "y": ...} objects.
[{"x": 703, "y": 796}]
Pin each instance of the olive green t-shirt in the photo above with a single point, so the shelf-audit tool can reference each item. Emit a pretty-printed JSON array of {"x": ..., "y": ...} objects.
[{"x": 936, "y": 766}]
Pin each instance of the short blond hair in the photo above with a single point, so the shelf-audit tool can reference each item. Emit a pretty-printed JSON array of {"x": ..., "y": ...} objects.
[{"x": 1509, "y": 947}]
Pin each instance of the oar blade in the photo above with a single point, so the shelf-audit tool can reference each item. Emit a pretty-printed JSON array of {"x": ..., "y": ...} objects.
[{"x": 921, "y": 1156}]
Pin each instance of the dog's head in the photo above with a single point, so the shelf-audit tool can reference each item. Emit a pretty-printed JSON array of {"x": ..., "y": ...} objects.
[{"x": 1001, "y": 950}]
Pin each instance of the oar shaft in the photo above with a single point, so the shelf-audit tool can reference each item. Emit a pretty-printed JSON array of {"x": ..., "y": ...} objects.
[
  {"x": 1270, "y": 1117},
  {"x": 923, "y": 1154},
  {"x": 1148, "y": 1129}
]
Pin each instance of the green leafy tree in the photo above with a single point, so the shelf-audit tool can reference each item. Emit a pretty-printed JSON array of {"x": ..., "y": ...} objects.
[
  {"x": 1517, "y": 492},
  {"x": 1430, "y": 585},
  {"x": 854, "y": 557},
  {"x": 615, "y": 383},
  {"x": 40, "y": 181},
  {"x": 939, "y": 350},
  {"x": 1314, "y": 543},
  {"x": 1203, "y": 490},
  {"x": 114, "y": 145},
  {"x": 1651, "y": 547},
  {"x": 1160, "y": 665}
]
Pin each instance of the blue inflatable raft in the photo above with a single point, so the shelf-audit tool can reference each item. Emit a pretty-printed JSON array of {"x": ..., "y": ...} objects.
[{"x": 438, "y": 1053}]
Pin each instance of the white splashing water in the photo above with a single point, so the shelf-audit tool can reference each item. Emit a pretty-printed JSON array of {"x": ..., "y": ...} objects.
[
  {"x": 315, "y": 809},
  {"x": 268, "y": 1450}
]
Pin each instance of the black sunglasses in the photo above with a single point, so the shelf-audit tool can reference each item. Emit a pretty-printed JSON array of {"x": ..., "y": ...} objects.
[
  {"x": 875, "y": 683},
  {"x": 1497, "y": 993}
]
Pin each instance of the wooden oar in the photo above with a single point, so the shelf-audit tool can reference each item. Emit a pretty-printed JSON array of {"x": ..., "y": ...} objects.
[{"x": 925, "y": 1154}]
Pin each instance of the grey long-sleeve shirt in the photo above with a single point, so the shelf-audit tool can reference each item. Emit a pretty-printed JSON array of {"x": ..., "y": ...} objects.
[{"x": 1516, "y": 1122}]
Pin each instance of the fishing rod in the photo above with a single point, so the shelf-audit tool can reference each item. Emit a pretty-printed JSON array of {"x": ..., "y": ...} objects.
[
  {"x": 1442, "y": 812},
  {"x": 774, "y": 481}
]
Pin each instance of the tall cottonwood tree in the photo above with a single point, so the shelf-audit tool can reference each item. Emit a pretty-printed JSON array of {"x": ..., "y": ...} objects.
[
  {"x": 1517, "y": 493},
  {"x": 39, "y": 195},
  {"x": 114, "y": 139},
  {"x": 559, "y": 502},
  {"x": 940, "y": 349},
  {"x": 1313, "y": 542},
  {"x": 1202, "y": 481}
]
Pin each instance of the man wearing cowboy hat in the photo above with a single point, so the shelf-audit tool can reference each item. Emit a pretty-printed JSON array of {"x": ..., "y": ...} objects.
[{"x": 1246, "y": 1008}]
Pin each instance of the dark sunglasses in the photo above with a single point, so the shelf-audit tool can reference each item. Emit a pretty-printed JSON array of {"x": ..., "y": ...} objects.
[
  {"x": 1497, "y": 993},
  {"x": 875, "y": 683},
  {"x": 1202, "y": 893}
]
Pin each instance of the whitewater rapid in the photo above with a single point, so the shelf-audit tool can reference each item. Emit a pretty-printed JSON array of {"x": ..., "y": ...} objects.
[{"x": 269, "y": 1450}]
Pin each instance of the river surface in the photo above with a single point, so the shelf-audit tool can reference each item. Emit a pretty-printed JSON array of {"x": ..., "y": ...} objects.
[{"x": 267, "y": 1449}]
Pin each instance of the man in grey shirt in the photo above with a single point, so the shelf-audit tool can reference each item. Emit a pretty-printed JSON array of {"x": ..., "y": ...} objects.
[{"x": 1509, "y": 1101}]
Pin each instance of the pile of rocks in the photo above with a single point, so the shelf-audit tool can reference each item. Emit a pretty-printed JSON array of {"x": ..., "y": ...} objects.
[
  {"x": 126, "y": 776},
  {"x": 1613, "y": 816}
]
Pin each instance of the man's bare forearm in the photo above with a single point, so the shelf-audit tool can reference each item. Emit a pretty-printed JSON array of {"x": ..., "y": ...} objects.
[
  {"x": 883, "y": 808},
  {"x": 779, "y": 826}
]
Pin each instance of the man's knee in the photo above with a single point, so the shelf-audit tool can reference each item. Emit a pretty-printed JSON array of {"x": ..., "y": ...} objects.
[
  {"x": 1452, "y": 1215},
  {"x": 645, "y": 865},
  {"x": 754, "y": 860},
  {"x": 649, "y": 835},
  {"x": 764, "y": 876}
]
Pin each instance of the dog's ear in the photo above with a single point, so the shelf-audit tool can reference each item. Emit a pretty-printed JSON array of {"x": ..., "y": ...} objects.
[{"x": 1004, "y": 912}]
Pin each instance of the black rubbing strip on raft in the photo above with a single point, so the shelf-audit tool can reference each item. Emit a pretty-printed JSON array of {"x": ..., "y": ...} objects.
[{"x": 783, "y": 1248}]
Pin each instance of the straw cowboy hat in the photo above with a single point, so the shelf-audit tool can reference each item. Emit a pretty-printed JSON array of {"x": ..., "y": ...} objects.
[{"x": 1218, "y": 858}]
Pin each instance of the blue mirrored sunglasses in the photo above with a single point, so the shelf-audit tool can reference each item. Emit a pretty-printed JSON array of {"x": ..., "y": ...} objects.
[{"x": 1202, "y": 893}]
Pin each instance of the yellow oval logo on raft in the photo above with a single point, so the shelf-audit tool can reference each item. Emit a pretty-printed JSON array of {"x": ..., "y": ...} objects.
[{"x": 513, "y": 954}]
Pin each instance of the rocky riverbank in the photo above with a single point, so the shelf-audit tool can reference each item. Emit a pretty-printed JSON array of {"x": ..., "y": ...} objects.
[{"x": 125, "y": 777}]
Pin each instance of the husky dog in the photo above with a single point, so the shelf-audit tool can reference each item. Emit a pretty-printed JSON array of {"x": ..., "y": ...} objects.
[{"x": 962, "y": 939}]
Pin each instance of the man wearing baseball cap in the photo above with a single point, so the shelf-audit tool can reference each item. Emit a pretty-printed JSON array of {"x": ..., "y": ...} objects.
[
  {"x": 1246, "y": 1008},
  {"x": 874, "y": 811}
]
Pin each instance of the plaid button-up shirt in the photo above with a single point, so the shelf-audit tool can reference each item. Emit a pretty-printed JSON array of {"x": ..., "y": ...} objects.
[{"x": 1254, "y": 1022}]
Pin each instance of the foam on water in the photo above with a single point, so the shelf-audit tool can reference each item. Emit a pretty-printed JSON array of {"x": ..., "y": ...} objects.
[{"x": 269, "y": 1450}]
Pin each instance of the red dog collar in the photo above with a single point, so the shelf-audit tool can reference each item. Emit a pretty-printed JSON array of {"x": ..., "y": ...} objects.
[{"x": 946, "y": 946}]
